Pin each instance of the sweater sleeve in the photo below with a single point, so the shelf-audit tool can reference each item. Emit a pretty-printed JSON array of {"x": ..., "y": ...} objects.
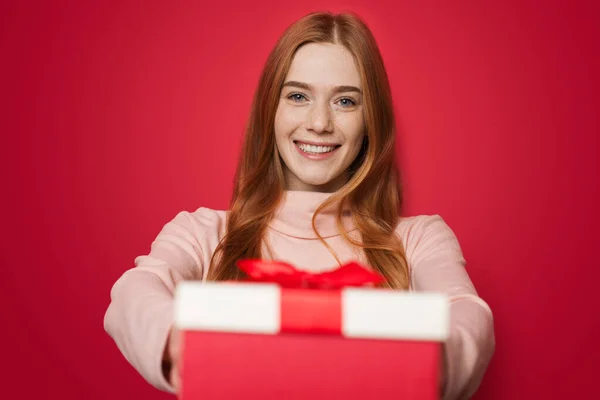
[
  {"x": 140, "y": 314},
  {"x": 437, "y": 264}
]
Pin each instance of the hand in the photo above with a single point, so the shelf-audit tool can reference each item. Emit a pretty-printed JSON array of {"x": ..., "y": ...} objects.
[{"x": 171, "y": 359}]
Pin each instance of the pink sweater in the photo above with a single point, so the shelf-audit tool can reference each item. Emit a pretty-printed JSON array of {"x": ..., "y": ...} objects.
[{"x": 140, "y": 314}]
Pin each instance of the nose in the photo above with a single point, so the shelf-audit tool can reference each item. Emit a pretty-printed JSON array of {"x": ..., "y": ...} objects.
[{"x": 320, "y": 118}]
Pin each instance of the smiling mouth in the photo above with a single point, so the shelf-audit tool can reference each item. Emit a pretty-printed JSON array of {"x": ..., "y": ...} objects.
[{"x": 316, "y": 149}]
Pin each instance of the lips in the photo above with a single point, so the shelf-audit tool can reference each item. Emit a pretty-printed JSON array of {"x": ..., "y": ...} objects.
[
  {"x": 316, "y": 147},
  {"x": 316, "y": 151}
]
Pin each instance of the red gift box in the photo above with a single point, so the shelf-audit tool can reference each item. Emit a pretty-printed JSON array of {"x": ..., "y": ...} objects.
[{"x": 296, "y": 335}]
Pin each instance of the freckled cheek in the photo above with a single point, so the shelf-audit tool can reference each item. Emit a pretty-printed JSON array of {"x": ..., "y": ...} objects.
[
  {"x": 352, "y": 126},
  {"x": 287, "y": 121}
]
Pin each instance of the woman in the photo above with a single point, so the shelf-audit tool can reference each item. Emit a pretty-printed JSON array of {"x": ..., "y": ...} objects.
[{"x": 316, "y": 186}]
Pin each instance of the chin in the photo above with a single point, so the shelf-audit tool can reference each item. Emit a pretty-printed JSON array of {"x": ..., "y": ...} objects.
[
  {"x": 314, "y": 181},
  {"x": 311, "y": 177}
]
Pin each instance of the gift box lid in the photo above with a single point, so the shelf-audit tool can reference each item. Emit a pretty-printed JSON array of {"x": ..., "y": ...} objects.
[{"x": 365, "y": 312}]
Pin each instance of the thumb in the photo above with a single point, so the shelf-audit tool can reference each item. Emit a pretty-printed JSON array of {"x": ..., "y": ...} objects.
[
  {"x": 175, "y": 355},
  {"x": 174, "y": 344},
  {"x": 175, "y": 378}
]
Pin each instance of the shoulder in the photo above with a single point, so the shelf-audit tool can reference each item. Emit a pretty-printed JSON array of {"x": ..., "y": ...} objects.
[
  {"x": 199, "y": 223},
  {"x": 424, "y": 235},
  {"x": 208, "y": 217},
  {"x": 418, "y": 226}
]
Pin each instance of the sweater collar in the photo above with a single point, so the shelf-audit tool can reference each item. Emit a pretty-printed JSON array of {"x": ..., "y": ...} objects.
[{"x": 294, "y": 216}]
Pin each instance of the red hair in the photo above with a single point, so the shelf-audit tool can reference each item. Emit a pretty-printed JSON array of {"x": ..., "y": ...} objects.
[{"x": 373, "y": 190}]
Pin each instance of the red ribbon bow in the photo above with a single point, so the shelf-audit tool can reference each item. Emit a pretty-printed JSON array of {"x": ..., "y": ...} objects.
[{"x": 287, "y": 276}]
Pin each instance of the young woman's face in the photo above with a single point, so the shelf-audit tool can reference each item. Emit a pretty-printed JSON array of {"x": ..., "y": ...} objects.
[{"x": 319, "y": 124}]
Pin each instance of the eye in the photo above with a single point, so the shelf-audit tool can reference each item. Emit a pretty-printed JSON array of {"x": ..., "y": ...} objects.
[
  {"x": 297, "y": 97},
  {"x": 346, "y": 102}
]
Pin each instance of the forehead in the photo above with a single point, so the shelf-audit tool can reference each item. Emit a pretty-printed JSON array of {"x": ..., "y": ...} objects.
[{"x": 323, "y": 65}]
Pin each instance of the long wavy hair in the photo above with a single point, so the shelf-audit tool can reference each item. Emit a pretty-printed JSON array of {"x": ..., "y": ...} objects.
[{"x": 373, "y": 190}]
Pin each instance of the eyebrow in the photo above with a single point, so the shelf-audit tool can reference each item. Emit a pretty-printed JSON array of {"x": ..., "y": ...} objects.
[{"x": 337, "y": 89}]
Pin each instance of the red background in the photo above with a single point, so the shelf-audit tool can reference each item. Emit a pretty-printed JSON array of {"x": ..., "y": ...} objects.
[{"x": 116, "y": 116}]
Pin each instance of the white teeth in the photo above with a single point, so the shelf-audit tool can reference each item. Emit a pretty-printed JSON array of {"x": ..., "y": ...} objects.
[{"x": 308, "y": 148}]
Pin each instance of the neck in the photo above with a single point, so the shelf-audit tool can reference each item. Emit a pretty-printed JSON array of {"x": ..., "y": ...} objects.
[{"x": 294, "y": 216}]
